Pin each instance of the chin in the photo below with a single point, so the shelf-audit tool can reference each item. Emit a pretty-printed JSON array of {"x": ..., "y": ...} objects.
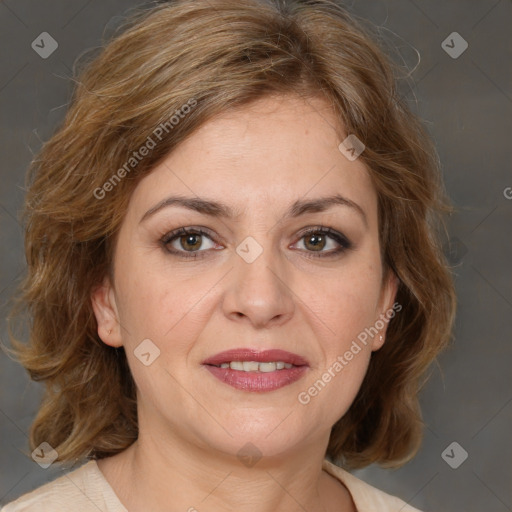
[{"x": 268, "y": 436}]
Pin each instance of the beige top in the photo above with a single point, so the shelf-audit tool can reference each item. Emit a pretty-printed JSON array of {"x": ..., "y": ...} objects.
[{"x": 86, "y": 490}]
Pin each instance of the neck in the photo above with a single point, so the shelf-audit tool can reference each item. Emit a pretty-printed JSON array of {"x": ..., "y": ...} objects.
[{"x": 152, "y": 475}]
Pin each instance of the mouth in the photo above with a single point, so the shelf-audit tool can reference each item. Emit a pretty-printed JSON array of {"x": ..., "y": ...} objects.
[
  {"x": 252, "y": 370},
  {"x": 248, "y": 360},
  {"x": 255, "y": 366}
]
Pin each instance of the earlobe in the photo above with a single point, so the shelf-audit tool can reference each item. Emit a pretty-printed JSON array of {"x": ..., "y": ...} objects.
[
  {"x": 105, "y": 310},
  {"x": 378, "y": 344}
]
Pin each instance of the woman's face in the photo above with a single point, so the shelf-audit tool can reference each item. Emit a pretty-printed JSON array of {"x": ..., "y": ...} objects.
[{"x": 252, "y": 280}]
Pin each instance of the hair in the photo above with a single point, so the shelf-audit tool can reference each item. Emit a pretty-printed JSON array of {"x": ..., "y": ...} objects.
[{"x": 214, "y": 56}]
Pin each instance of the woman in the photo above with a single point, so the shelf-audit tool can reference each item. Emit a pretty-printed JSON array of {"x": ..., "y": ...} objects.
[{"x": 234, "y": 267}]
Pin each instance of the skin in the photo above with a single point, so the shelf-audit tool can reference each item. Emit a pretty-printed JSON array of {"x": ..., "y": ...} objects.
[{"x": 257, "y": 160}]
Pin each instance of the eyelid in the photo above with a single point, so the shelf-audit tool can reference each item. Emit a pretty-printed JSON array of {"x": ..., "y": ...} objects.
[{"x": 184, "y": 230}]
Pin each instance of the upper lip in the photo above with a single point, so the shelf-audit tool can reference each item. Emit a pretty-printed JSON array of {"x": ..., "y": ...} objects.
[{"x": 261, "y": 356}]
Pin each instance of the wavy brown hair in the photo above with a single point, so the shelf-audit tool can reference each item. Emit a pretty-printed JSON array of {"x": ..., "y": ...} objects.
[{"x": 221, "y": 55}]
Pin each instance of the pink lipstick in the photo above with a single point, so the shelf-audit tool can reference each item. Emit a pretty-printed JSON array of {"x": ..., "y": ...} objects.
[{"x": 255, "y": 370}]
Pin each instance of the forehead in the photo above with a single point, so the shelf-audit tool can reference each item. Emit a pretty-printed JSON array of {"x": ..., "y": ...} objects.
[{"x": 263, "y": 156}]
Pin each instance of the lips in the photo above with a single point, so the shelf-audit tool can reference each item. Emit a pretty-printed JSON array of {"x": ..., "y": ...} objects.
[
  {"x": 247, "y": 354},
  {"x": 257, "y": 380}
]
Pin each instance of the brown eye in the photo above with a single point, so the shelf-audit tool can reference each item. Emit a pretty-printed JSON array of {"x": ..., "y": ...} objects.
[
  {"x": 187, "y": 240},
  {"x": 320, "y": 238},
  {"x": 315, "y": 241},
  {"x": 190, "y": 242}
]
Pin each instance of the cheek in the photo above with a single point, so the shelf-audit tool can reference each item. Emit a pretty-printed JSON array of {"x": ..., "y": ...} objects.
[
  {"x": 169, "y": 309},
  {"x": 146, "y": 296},
  {"x": 348, "y": 307},
  {"x": 344, "y": 377},
  {"x": 348, "y": 302},
  {"x": 333, "y": 386}
]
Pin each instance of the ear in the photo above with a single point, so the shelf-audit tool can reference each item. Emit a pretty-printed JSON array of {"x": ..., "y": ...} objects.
[
  {"x": 105, "y": 310},
  {"x": 387, "y": 308}
]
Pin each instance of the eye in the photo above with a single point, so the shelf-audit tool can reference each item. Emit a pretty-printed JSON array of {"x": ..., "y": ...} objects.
[
  {"x": 187, "y": 240},
  {"x": 317, "y": 238}
]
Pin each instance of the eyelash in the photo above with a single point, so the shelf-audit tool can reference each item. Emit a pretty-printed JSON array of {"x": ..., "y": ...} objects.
[{"x": 337, "y": 237}]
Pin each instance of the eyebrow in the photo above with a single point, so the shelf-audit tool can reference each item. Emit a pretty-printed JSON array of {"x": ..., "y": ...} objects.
[{"x": 218, "y": 210}]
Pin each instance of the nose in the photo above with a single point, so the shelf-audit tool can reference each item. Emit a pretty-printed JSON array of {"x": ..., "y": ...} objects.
[{"x": 259, "y": 292}]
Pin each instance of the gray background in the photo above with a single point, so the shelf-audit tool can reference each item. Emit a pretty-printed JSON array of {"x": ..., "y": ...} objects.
[{"x": 467, "y": 105}]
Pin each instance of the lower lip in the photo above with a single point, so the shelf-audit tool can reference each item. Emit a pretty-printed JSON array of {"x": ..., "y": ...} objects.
[{"x": 257, "y": 381}]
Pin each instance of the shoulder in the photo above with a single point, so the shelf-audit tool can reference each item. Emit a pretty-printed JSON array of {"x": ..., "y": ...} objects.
[
  {"x": 366, "y": 497},
  {"x": 83, "y": 489}
]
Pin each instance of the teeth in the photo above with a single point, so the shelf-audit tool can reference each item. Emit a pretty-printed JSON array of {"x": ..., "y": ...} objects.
[
  {"x": 250, "y": 366},
  {"x": 254, "y": 366},
  {"x": 267, "y": 367}
]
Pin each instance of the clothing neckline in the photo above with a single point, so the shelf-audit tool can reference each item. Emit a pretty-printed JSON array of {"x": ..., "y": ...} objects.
[
  {"x": 340, "y": 474},
  {"x": 107, "y": 488}
]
